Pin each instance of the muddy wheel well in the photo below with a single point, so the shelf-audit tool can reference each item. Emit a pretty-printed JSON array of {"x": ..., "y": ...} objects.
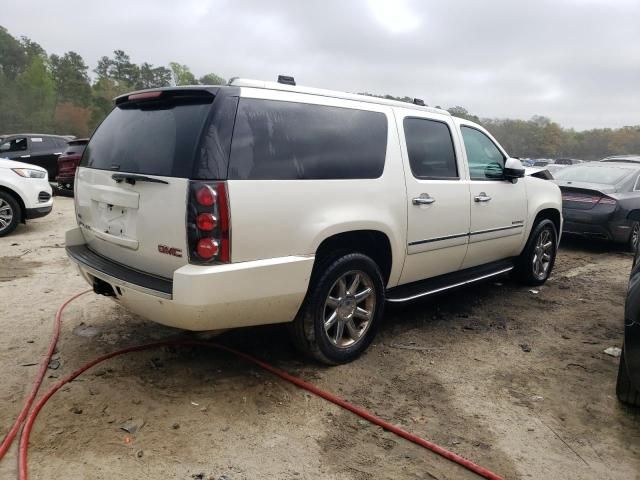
[
  {"x": 372, "y": 243},
  {"x": 550, "y": 214}
]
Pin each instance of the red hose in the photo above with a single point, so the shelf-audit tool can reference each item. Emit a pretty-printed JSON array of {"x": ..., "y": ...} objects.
[
  {"x": 8, "y": 439},
  {"x": 24, "y": 440}
]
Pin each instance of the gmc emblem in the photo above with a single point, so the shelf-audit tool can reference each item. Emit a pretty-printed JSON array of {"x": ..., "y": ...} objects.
[{"x": 174, "y": 252}]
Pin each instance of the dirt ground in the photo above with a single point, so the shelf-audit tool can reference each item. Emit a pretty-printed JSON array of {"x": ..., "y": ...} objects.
[{"x": 513, "y": 380}]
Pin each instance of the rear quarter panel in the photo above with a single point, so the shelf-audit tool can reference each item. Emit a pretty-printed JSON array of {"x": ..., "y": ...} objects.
[{"x": 277, "y": 218}]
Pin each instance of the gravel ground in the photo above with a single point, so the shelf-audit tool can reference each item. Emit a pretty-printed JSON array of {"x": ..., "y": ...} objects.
[{"x": 514, "y": 380}]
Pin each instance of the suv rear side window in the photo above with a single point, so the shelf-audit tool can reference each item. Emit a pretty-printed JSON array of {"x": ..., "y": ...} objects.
[
  {"x": 486, "y": 161},
  {"x": 430, "y": 148},
  {"x": 275, "y": 140},
  {"x": 158, "y": 138}
]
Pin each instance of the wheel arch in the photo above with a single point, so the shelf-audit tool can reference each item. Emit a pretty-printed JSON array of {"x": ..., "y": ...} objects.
[
  {"x": 18, "y": 199},
  {"x": 373, "y": 243},
  {"x": 552, "y": 214}
]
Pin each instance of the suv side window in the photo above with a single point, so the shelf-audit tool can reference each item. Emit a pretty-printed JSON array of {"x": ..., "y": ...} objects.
[
  {"x": 486, "y": 161},
  {"x": 430, "y": 149},
  {"x": 277, "y": 140},
  {"x": 14, "y": 145}
]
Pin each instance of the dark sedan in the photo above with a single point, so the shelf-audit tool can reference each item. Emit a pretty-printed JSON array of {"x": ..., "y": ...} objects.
[
  {"x": 628, "y": 385},
  {"x": 598, "y": 198}
]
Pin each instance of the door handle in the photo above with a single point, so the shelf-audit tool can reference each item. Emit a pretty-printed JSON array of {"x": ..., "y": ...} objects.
[
  {"x": 423, "y": 199},
  {"x": 483, "y": 197},
  {"x": 25, "y": 156}
]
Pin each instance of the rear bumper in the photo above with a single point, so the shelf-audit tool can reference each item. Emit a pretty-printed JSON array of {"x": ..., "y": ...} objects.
[
  {"x": 203, "y": 298},
  {"x": 594, "y": 225}
]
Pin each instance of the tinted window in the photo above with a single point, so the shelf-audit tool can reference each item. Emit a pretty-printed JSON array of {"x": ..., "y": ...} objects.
[
  {"x": 430, "y": 148},
  {"x": 14, "y": 145},
  {"x": 287, "y": 140},
  {"x": 604, "y": 174},
  {"x": 155, "y": 139},
  {"x": 485, "y": 159}
]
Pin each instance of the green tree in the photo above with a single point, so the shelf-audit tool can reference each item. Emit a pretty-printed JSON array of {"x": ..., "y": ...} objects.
[
  {"x": 462, "y": 112},
  {"x": 182, "y": 75},
  {"x": 12, "y": 56},
  {"x": 153, "y": 77},
  {"x": 212, "y": 79},
  {"x": 72, "y": 82},
  {"x": 35, "y": 91}
]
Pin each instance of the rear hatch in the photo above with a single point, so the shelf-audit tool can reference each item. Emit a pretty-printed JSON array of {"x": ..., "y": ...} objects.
[{"x": 133, "y": 183}]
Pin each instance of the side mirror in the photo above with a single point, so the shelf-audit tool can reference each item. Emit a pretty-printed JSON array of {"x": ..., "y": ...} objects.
[{"x": 513, "y": 169}]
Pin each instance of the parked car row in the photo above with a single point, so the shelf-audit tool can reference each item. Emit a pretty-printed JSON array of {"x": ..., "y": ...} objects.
[
  {"x": 36, "y": 149},
  {"x": 598, "y": 199}
]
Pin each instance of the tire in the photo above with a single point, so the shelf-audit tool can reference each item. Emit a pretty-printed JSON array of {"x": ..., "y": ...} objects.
[
  {"x": 634, "y": 237},
  {"x": 338, "y": 320},
  {"x": 529, "y": 269},
  {"x": 10, "y": 213},
  {"x": 625, "y": 391}
]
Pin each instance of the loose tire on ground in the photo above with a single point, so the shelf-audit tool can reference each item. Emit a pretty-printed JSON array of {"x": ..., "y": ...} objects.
[
  {"x": 527, "y": 266},
  {"x": 342, "y": 310},
  {"x": 625, "y": 391},
  {"x": 10, "y": 213}
]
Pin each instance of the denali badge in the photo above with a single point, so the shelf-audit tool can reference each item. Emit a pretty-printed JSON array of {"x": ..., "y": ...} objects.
[{"x": 175, "y": 252}]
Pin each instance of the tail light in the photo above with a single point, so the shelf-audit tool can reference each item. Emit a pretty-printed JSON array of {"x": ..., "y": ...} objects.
[
  {"x": 607, "y": 201},
  {"x": 208, "y": 223}
]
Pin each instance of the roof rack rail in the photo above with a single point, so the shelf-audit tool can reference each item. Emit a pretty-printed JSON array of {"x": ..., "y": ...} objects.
[{"x": 419, "y": 101}]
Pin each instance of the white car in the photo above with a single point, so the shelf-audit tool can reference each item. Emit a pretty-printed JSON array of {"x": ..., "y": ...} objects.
[
  {"x": 208, "y": 208},
  {"x": 25, "y": 194}
]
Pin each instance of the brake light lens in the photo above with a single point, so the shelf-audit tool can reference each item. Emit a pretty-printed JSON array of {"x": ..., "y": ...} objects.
[
  {"x": 607, "y": 201},
  {"x": 206, "y": 196},
  {"x": 144, "y": 95},
  {"x": 207, "y": 248},
  {"x": 208, "y": 223}
]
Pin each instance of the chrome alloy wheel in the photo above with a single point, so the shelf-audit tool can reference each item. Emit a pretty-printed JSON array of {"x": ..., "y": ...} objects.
[
  {"x": 635, "y": 235},
  {"x": 542, "y": 254},
  {"x": 349, "y": 309},
  {"x": 6, "y": 215}
]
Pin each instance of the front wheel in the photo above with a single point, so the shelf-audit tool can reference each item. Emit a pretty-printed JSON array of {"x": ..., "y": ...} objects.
[
  {"x": 535, "y": 263},
  {"x": 625, "y": 390},
  {"x": 9, "y": 213},
  {"x": 342, "y": 310},
  {"x": 634, "y": 237}
]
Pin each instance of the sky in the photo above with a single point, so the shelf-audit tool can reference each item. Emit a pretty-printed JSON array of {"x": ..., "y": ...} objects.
[{"x": 574, "y": 61}]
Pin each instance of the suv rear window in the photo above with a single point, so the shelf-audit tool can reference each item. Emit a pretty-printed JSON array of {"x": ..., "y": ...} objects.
[
  {"x": 277, "y": 140},
  {"x": 154, "y": 138}
]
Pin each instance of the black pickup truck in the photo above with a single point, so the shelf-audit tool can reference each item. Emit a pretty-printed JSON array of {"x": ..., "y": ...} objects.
[{"x": 39, "y": 149}]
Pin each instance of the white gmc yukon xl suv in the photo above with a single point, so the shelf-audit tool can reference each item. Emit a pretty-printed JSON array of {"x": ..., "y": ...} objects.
[{"x": 208, "y": 208}]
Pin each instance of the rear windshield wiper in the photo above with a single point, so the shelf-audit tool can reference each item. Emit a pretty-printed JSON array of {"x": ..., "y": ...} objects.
[{"x": 132, "y": 178}]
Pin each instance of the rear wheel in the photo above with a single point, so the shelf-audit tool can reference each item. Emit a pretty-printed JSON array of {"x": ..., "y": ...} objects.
[
  {"x": 10, "y": 213},
  {"x": 634, "y": 237},
  {"x": 535, "y": 263},
  {"x": 342, "y": 309},
  {"x": 625, "y": 391}
]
